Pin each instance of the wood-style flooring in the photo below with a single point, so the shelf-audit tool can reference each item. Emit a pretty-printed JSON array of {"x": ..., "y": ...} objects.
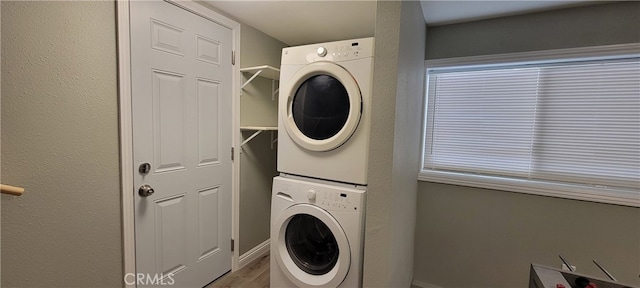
[{"x": 254, "y": 275}]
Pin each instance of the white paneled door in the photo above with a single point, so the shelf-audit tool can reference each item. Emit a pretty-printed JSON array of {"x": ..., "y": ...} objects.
[{"x": 182, "y": 100}]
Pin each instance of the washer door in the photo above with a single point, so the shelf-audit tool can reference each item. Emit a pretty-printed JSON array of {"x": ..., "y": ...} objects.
[
  {"x": 323, "y": 106},
  {"x": 312, "y": 249}
]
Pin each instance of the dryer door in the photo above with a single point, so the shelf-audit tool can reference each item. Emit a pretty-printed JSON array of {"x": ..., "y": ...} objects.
[
  {"x": 323, "y": 106},
  {"x": 312, "y": 249}
]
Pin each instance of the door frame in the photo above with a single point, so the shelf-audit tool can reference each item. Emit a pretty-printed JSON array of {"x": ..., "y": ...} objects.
[{"x": 126, "y": 125}]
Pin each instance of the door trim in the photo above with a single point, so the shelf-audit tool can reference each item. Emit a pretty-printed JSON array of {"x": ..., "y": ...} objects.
[{"x": 126, "y": 128}]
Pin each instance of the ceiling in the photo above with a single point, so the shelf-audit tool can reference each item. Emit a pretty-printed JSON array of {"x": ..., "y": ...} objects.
[
  {"x": 448, "y": 12},
  {"x": 303, "y": 22},
  {"x": 298, "y": 22}
]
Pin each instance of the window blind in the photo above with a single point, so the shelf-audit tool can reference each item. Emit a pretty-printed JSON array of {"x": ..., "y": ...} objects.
[{"x": 569, "y": 122}]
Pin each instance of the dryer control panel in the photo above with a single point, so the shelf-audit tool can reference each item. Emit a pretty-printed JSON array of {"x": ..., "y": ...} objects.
[
  {"x": 341, "y": 52},
  {"x": 332, "y": 51}
]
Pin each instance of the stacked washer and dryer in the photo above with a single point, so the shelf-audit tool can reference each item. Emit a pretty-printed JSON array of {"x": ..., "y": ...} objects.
[{"x": 318, "y": 201}]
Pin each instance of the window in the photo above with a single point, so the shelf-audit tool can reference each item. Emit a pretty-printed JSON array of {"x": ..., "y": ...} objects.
[{"x": 567, "y": 127}]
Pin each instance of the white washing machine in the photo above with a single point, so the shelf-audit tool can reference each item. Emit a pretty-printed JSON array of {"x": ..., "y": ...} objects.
[
  {"x": 317, "y": 232},
  {"x": 324, "y": 110}
]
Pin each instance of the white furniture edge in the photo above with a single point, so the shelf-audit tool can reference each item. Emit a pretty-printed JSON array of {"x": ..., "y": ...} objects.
[
  {"x": 552, "y": 189},
  {"x": 258, "y": 129},
  {"x": 126, "y": 131},
  {"x": 586, "y": 53},
  {"x": 265, "y": 71},
  {"x": 126, "y": 139},
  {"x": 261, "y": 128},
  {"x": 255, "y": 253}
]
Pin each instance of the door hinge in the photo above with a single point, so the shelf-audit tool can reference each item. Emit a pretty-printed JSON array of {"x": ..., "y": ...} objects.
[
  {"x": 233, "y": 57},
  {"x": 232, "y": 153},
  {"x": 232, "y": 245}
]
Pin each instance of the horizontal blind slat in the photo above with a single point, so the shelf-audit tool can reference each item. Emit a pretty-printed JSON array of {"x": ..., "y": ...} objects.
[{"x": 572, "y": 122}]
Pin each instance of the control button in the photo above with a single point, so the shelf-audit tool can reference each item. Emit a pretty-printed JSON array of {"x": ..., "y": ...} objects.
[
  {"x": 311, "y": 194},
  {"x": 322, "y": 51}
]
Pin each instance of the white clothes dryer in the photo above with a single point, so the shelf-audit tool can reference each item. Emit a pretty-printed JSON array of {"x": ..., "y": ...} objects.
[
  {"x": 324, "y": 110},
  {"x": 317, "y": 232}
]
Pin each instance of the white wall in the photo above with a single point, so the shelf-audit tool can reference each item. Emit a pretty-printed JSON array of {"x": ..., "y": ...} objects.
[
  {"x": 396, "y": 112},
  {"x": 60, "y": 142}
]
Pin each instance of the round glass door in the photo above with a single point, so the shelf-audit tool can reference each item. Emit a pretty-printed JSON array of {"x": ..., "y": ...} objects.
[
  {"x": 312, "y": 246},
  {"x": 320, "y": 107},
  {"x": 323, "y": 106},
  {"x": 312, "y": 250}
]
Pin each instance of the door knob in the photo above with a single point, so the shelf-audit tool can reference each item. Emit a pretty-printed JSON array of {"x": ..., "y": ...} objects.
[{"x": 145, "y": 190}]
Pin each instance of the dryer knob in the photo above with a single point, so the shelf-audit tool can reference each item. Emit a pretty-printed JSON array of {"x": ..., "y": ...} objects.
[
  {"x": 311, "y": 194},
  {"x": 322, "y": 51}
]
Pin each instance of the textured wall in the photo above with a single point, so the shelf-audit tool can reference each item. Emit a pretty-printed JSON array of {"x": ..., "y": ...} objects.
[
  {"x": 378, "y": 222},
  {"x": 602, "y": 24},
  {"x": 471, "y": 237},
  {"x": 407, "y": 139},
  {"x": 258, "y": 160},
  {"x": 395, "y": 139},
  {"x": 60, "y": 141}
]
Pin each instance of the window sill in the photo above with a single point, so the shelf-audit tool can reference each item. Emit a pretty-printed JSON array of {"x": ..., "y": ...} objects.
[{"x": 553, "y": 189}]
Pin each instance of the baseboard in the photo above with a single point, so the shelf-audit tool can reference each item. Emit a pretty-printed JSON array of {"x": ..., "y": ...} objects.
[
  {"x": 253, "y": 254},
  {"x": 421, "y": 284}
]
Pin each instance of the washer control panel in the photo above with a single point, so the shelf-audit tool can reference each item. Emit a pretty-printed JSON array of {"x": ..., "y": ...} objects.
[
  {"x": 333, "y": 198},
  {"x": 311, "y": 195},
  {"x": 326, "y": 195},
  {"x": 337, "y": 200},
  {"x": 322, "y": 51}
]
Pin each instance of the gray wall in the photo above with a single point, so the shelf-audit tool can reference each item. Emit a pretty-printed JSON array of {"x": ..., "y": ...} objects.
[
  {"x": 471, "y": 237},
  {"x": 396, "y": 124},
  {"x": 257, "y": 159},
  {"x": 60, "y": 142},
  {"x": 602, "y": 24}
]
